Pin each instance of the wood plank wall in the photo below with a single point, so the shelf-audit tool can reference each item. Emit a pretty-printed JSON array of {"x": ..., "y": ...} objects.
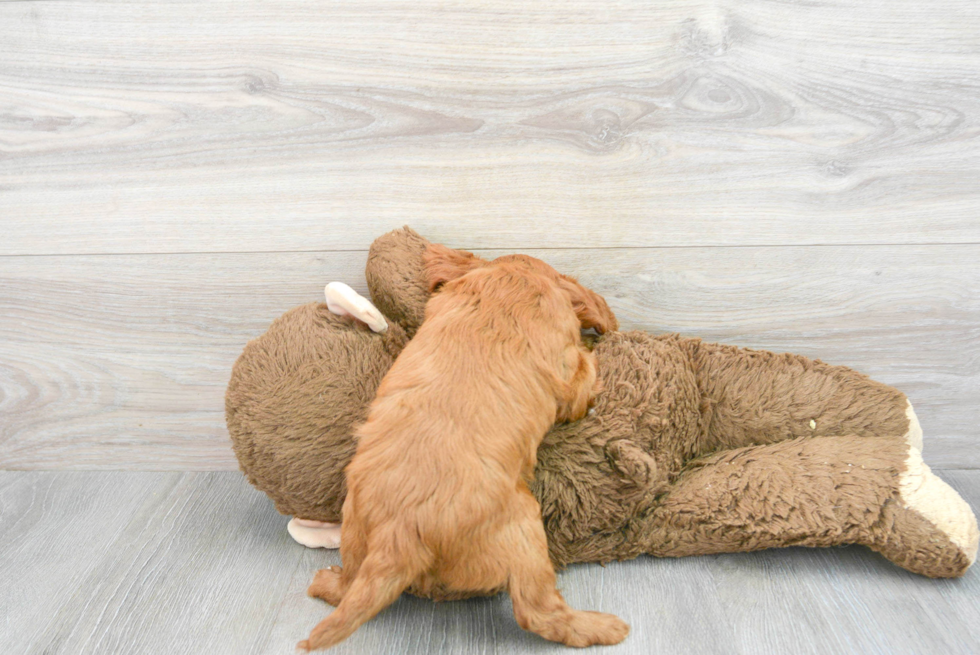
[{"x": 173, "y": 175}]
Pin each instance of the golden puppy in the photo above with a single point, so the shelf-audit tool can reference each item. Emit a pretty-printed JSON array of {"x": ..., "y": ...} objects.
[{"x": 437, "y": 498}]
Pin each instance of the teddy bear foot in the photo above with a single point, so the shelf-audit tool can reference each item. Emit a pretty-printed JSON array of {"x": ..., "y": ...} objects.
[
  {"x": 914, "y": 436},
  {"x": 314, "y": 534},
  {"x": 929, "y": 529}
]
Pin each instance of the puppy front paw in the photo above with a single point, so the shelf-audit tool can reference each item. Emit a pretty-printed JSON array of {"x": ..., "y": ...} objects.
[{"x": 579, "y": 392}]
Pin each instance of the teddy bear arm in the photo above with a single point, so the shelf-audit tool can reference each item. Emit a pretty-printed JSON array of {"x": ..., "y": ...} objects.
[
  {"x": 751, "y": 397},
  {"x": 636, "y": 465},
  {"x": 823, "y": 491}
]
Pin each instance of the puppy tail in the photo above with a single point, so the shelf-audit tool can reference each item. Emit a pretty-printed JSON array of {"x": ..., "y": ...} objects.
[{"x": 378, "y": 583}]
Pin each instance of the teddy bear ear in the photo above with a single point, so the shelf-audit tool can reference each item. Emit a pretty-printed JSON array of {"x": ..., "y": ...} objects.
[
  {"x": 590, "y": 308},
  {"x": 444, "y": 264}
]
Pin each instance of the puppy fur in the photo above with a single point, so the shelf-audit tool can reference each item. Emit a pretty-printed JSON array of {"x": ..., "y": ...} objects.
[{"x": 437, "y": 499}]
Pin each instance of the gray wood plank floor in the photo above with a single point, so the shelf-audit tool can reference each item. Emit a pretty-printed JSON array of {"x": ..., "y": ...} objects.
[{"x": 137, "y": 562}]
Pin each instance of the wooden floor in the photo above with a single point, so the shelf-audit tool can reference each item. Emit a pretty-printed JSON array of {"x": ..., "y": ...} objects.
[
  {"x": 128, "y": 562},
  {"x": 790, "y": 175}
]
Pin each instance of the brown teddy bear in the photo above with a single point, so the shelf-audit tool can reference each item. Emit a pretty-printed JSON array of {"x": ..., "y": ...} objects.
[{"x": 691, "y": 448}]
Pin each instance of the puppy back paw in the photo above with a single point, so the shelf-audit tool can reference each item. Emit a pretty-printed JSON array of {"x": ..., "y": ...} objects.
[
  {"x": 584, "y": 629},
  {"x": 327, "y": 586}
]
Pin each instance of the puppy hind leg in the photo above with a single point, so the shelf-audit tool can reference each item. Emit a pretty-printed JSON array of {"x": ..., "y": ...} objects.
[
  {"x": 331, "y": 584},
  {"x": 379, "y": 581},
  {"x": 538, "y": 606}
]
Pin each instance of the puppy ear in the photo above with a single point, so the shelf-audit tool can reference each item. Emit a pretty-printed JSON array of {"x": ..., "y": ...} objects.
[
  {"x": 590, "y": 307},
  {"x": 444, "y": 264}
]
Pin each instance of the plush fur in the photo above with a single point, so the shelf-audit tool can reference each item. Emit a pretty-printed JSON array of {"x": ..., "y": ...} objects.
[
  {"x": 691, "y": 447},
  {"x": 437, "y": 491},
  {"x": 294, "y": 398}
]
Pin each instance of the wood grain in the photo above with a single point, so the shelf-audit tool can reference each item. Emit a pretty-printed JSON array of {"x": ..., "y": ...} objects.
[
  {"x": 229, "y": 126},
  {"x": 789, "y": 175},
  {"x": 121, "y": 361},
  {"x": 116, "y": 562}
]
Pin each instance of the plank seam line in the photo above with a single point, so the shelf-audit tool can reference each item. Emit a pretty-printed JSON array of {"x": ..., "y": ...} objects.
[
  {"x": 27, "y": 471},
  {"x": 467, "y": 247}
]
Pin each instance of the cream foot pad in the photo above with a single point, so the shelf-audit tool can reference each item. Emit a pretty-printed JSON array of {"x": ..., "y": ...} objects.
[
  {"x": 314, "y": 534},
  {"x": 935, "y": 500}
]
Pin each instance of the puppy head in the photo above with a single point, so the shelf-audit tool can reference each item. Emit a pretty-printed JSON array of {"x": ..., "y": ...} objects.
[
  {"x": 444, "y": 264},
  {"x": 590, "y": 308}
]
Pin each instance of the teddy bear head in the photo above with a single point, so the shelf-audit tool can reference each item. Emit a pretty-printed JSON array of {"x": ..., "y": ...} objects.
[{"x": 396, "y": 277}]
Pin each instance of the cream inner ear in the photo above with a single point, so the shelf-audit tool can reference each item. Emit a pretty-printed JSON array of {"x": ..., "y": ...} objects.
[{"x": 344, "y": 301}]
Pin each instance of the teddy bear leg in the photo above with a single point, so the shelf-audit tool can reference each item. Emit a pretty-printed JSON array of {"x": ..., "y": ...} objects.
[
  {"x": 751, "y": 397},
  {"x": 824, "y": 491},
  {"x": 931, "y": 529},
  {"x": 314, "y": 534}
]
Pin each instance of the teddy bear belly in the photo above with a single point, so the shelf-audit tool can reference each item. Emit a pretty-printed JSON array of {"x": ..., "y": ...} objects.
[{"x": 596, "y": 475}]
